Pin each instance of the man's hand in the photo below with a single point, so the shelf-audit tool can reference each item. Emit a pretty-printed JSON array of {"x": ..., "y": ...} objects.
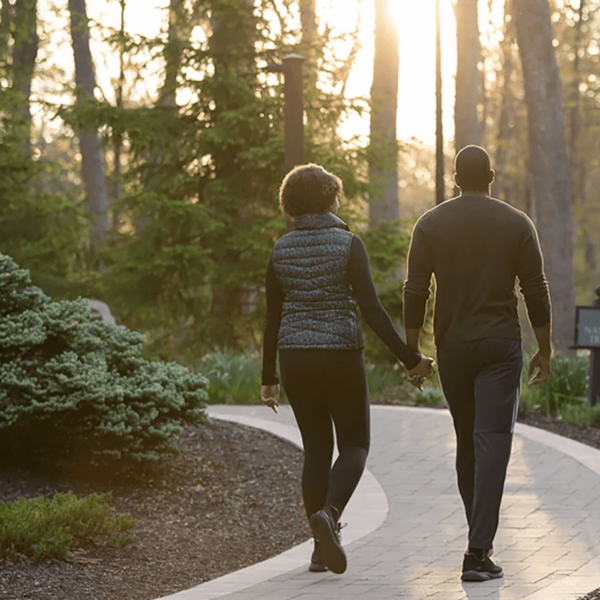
[
  {"x": 269, "y": 396},
  {"x": 539, "y": 369},
  {"x": 418, "y": 374}
]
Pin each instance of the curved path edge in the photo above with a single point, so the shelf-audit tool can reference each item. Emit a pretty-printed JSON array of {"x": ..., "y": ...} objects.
[
  {"x": 368, "y": 509},
  {"x": 366, "y": 512}
]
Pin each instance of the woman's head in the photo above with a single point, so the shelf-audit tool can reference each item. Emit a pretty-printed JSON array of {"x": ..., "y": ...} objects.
[{"x": 309, "y": 189}]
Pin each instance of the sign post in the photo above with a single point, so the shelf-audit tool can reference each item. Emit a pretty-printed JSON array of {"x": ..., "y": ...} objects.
[{"x": 587, "y": 335}]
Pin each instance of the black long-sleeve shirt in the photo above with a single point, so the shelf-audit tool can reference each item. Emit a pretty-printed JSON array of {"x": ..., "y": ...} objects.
[
  {"x": 477, "y": 247},
  {"x": 363, "y": 288}
]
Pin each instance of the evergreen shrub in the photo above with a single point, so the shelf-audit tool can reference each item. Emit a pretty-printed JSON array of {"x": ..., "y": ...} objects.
[
  {"x": 49, "y": 528},
  {"x": 71, "y": 384}
]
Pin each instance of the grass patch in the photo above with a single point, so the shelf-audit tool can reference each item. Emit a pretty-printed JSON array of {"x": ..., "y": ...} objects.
[{"x": 49, "y": 528}]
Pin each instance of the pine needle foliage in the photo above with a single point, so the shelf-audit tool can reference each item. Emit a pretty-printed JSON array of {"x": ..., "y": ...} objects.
[{"x": 73, "y": 385}]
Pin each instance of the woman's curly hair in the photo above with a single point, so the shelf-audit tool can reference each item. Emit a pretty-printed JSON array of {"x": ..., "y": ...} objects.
[{"x": 309, "y": 189}]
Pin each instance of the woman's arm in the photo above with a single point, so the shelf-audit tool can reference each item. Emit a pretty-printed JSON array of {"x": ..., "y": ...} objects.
[
  {"x": 274, "y": 296},
  {"x": 359, "y": 276}
]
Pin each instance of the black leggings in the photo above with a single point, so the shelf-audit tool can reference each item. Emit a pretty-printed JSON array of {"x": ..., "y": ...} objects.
[{"x": 325, "y": 386}]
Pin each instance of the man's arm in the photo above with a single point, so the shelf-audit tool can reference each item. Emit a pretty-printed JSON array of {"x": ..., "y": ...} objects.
[
  {"x": 416, "y": 288},
  {"x": 534, "y": 288},
  {"x": 539, "y": 366}
]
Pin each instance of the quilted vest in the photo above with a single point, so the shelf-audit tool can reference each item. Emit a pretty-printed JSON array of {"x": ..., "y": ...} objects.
[{"x": 311, "y": 266}]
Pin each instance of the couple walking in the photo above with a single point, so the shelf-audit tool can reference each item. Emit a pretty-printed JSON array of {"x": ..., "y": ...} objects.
[{"x": 476, "y": 247}]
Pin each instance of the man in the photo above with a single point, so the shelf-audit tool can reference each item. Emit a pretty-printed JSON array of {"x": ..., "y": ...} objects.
[{"x": 477, "y": 247}]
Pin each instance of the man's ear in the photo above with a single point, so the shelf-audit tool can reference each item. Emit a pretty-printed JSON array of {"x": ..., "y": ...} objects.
[
  {"x": 456, "y": 180},
  {"x": 492, "y": 176}
]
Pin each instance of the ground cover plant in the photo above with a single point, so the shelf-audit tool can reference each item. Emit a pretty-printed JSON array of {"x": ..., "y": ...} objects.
[
  {"x": 49, "y": 528},
  {"x": 565, "y": 393}
]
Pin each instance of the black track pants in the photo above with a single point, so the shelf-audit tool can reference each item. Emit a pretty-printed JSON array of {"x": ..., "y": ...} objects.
[
  {"x": 481, "y": 382},
  {"x": 326, "y": 389}
]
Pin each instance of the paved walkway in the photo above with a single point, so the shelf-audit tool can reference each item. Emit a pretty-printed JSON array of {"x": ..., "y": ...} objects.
[{"x": 406, "y": 528}]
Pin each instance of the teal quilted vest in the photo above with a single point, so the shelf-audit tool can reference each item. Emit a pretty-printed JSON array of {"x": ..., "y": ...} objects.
[{"x": 311, "y": 266}]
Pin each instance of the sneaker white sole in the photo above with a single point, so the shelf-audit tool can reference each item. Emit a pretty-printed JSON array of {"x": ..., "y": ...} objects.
[{"x": 480, "y": 576}]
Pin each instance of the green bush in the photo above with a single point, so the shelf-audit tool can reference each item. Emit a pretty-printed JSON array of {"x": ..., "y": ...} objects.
[
  {"x": 47, "y": 528},
  {"x": 565, "y": 393},
  {"x": 70, "y": 384}
]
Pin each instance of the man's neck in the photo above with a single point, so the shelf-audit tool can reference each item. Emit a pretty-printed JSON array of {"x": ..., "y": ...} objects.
[{"x": 476, "y": 193}]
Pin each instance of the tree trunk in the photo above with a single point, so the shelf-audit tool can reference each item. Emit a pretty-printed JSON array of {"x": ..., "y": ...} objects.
[
  {"x": 118, "y": 138},
  {"x": 502, "y": 187},
  {"x": 96, "y": 188},
  {"x": 232, "y": 46},
  {"x": 25, "y": 48},
  {"x": 5, "y": 26},
  {"x": 440, "y": 188},
  {"x": 549, "y": 161},
  {"x": 308, "y": 21},
  {"x": 578, "y": 166},
  {"x": 172, "y": 55},
  {"x": 468, "y": 77},
  {"x": 575, "y": 100},
  {"x": 383, "y": 165}
]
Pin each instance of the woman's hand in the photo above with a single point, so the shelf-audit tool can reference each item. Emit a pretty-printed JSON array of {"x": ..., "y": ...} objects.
[
  {"x": 269, "y": 396},
  {"x": 418, "y": 374}
]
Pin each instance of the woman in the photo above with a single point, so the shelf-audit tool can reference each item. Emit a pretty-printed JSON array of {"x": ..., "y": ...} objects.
[{"x": 316, "y": 276}]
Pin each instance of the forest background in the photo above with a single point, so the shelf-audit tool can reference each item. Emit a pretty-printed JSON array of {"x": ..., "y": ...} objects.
[{"x": 142, "y": 169}]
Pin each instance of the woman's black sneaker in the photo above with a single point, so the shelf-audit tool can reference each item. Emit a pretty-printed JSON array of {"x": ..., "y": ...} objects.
[
  {"x": 316, "y": 562},
  {"x": 326, "y": 532},
  {"x": 480, "y": 569}
]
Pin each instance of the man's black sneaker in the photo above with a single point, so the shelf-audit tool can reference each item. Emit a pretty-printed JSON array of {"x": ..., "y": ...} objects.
[
  {"x": 326, "y": 532},
  {"x": 316, "y": 562},
  {"x": 480, "y": 569}
]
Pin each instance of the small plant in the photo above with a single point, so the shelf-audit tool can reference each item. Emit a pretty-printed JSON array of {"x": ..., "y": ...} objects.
[
  {"x": 49, "y": 528},
  {"x": 565, "y": 393},
  {"x": 429, "y": 396},
  {"x": 234, "y": 378}
]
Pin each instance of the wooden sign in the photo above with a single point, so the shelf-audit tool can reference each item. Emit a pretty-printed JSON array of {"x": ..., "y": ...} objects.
[{"x": 587, "y": 327}]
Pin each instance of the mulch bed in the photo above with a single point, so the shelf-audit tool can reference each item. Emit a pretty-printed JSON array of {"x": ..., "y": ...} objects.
[
  {"x": 581, "y": 433},
  {"x": 233, "y": 499},
  {"x": 230, "y": 500}
]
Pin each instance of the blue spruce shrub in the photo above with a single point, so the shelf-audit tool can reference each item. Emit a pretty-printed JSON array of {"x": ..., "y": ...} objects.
[{"x": 72, "y": 385}]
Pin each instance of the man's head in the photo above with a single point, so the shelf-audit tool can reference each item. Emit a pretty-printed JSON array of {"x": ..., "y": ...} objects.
[
  {"x": 472, "y": 170},
  {"x": 309, "y": 189}
]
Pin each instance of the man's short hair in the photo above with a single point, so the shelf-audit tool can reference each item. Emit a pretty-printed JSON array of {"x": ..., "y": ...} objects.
[
  {"x": 473, "y": 167},
  {"x": 309, "y": 189}
]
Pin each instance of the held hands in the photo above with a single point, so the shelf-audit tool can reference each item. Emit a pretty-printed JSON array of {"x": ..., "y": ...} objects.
[
  {"x": 269, "y": 396},
  {"x": 418, "y": 374},
  {"x": 539, "y": 369}
]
